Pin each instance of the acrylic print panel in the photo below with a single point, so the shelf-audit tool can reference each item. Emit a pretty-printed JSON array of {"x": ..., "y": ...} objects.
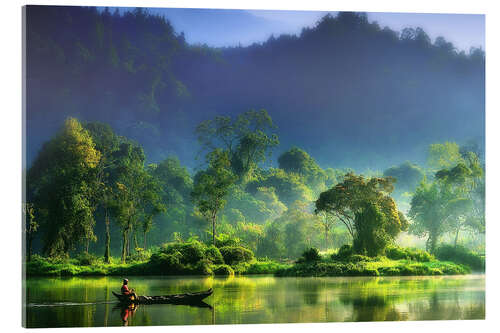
[{"x": 252, "y": 166}]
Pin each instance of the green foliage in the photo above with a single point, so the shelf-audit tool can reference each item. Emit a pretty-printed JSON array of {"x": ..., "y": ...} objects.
[
  {"x": 310, "y": 255},
  {"x": 408, "y": 176},
  {"x": 358, "y": 265},
  {"x": 428, "y": 212},
  {"x": 224, "y": 270},
  {"x": 188, "y": 253},
  {"x": 289, "y": 187},
  {"x": 86, "y": 259},
  {"x": 298, "y": 161},
  {"x": 213, "y": 255},
  {"x": 61, "y": 183},
  {"x": 236, "y": 254},
  {"x": 247, "y": 139},
  {"x": 345, "y": 251},
  {"x": 367, "y": 211},
  {"x": 396, "y": 253},
  {"x": 222, "y": 240},
  {"x": 443, "y": 155},
  {"x": 461, "y": 255},
  {"x": 211, "y": 186},
  {"x": 371, "y": 237}
]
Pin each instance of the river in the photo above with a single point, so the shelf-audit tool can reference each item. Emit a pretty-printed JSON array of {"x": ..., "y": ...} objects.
[{"x": 88, "y": 302}]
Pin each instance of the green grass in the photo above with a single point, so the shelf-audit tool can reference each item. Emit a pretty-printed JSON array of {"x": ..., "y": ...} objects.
[
  {"x": 40, "y": 266},
  {"x": 380, "y": 266}
]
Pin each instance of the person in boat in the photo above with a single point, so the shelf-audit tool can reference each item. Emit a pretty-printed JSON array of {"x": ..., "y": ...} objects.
[{"x": 128, "y": 292}]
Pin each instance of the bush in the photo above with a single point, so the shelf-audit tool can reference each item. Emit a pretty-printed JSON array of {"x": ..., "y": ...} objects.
[
  {"x": 222, "y": 240},
  {"x": 236, "y": 254},
  {"x": 310, "y": 255},
  {"x": 213, "y": 254},
  {"x": 166, "y": 264},
  {"x": 225, "y": 270},
  {"x": 461, "y": 255},
  {"x": 343, "y": 253},
  {"x": 190, "y": 253},
  {"x": 397, "y": 253},
  {"x": 86, "y": 259}
]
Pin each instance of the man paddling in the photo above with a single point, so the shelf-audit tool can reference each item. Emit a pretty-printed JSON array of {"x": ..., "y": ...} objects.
[{"x": 128, "y": 292}]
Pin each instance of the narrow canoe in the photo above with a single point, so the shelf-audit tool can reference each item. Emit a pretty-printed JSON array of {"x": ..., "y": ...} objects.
[{"x": 188, "y": 298}]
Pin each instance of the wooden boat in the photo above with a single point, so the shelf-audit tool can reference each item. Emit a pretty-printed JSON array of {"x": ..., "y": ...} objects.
[{"x": 188, "y": 298}]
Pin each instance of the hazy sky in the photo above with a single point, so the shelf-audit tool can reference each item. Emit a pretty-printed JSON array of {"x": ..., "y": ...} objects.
[{"x": 233, "y": 27}]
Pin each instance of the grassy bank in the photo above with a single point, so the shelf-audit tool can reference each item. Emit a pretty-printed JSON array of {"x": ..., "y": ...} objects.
[
  {"x": 195, "y": 258},
  {"x": 178, "y": 258},
  {"x": 396, "y": 262}
]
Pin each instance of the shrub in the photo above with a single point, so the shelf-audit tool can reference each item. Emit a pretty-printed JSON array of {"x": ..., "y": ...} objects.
[
  {"x": 222, "y": 240},
  {"x": 225, "y": 270},
  {"x": 344, "y": 252},
  {"x": 166, "y": 264},
  {"x": 86, "y": 259},
  {"x": 461, "y": 255},
  {"x": 202, "y": 268},
  {"x": 310, "y": 255},
  {"x": 213, "y": 254},
  {"x": 236, "y": 254},
  {"x": 191, "y": 252},
  {"x": 397, "y": 253}
]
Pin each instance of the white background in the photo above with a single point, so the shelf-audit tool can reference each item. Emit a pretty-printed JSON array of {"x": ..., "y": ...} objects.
[{"x": 11, "y": 156}]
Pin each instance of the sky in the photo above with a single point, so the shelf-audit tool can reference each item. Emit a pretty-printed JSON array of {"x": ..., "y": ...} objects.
[{"x": 224, "y": 27}]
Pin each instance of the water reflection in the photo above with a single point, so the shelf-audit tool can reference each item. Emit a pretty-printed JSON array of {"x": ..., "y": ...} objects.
[{"x": 257, "y": 299}]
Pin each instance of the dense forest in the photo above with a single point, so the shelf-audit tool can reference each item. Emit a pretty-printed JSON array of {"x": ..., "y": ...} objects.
[
  {"x": 346, "y": 134},
  {"x": 362, "y": 96}
]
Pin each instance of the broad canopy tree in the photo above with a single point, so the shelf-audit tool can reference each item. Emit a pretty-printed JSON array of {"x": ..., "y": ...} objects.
[
  {"x": 248, "y": 139},
  {"x": 366, "y": 209}
]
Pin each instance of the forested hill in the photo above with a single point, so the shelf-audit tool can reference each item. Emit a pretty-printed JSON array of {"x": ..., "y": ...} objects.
[{"x": 351, "y": 93}]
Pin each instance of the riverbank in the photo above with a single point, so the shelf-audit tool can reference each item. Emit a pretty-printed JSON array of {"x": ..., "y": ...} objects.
[{"x": 196, "y": 258}]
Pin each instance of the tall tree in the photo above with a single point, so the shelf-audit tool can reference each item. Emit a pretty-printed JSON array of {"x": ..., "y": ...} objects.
[
  {"x": 61, "y": 182},
  {"x": 212, "y": 185},
  {"x": 128, "y": 179},
  {"x": 107, "y": 143},
  {"x": 248, "y": 139},
  {"x": 430, "y": 212}
]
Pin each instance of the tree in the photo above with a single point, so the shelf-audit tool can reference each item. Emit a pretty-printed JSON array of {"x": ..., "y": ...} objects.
[
  {"x": 298, "y": 161},
  {"x": 347, "y": 201},
  {"x": 289, "y": 187},
  {"x": 465, "y": 182},
  {"x": 407, "y": 176},
  {"x": 130, "y": 180},
  {"x": 212, "y": 185},
  {"x": 246, "y": 139},
  {"x": 107, "y": 143},
  {"x": 61, "y": 183},
  {"x": 443, "y": 155},
  {"x": 326, "y": 221},
  {"x": 430, "y": 212}
]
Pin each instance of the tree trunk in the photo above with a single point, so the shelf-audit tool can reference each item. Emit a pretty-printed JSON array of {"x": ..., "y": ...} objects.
[
  {"x": 107, "y": 251},
  {"x": 136, "y": 244},
  {"x": 431, "y": 243},
  {"x": 213, "y": 229},
  {"x": 124, "y": 246},
  {"x": 326, "y": 238},
  {"x": 144, "y": 240},
  {"x": 456, "y": 237}
]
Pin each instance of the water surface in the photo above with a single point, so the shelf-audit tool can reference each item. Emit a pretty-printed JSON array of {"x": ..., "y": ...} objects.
[{"x": 69, "y": 302}]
